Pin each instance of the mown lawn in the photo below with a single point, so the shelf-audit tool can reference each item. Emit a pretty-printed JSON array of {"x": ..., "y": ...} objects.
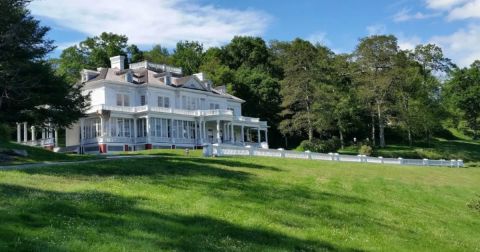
[
  {"x": 173, "y": 202},
  {"x": 36, "y": 155}
]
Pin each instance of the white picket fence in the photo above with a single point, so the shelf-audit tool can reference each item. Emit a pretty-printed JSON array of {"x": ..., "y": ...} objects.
[{"x": 229, "y": 150}]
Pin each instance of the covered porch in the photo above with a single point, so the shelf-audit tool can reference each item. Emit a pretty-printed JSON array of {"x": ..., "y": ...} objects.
[{"x": 46, "y": 137}]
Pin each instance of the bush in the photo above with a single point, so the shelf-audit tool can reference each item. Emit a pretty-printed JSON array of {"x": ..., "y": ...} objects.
[
  {"x": 475, "y": 204},
  {"x": 5, "y": 132},
  {"x": 365, "y": 150},
  {"x": 318, "y": 145}
]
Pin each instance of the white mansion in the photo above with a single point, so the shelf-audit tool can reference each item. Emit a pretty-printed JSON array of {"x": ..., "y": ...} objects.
[{"x": 154, "y": 106}]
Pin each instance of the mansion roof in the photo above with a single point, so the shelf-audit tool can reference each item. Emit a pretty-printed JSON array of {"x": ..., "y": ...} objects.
[{"x": 155, "y": 74}]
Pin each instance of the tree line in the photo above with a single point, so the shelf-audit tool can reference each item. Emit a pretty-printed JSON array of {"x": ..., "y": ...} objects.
[{"x": 377, "y": 94}]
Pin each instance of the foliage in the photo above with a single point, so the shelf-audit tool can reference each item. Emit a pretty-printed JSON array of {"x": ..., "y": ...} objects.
[
  {"x": 26, "y": 79},
  {"x": 5, "y": 132},
  {"x": 318, "y": 145},
  {"x": 365, "y": 150},
  {"x": 475, "y": 204},
  {"x": 188, "y": 55},
  {"x": 463, "y": 92},
  {"x": 157, "y": 54}
]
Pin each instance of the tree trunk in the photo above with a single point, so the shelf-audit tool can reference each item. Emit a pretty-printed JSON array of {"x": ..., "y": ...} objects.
[
  {"x": 341, "y": 139},
  {"x": 409, "y": 132},
  {"x": 373, "y": 129},
  {"x": 381, "y": 127}
]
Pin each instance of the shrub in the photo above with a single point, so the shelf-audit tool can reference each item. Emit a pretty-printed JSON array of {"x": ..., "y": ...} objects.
[
  {"x": 5, "y": 132},
  {"x": 475, "y": 204},
  {"x": 365, "y": 150},
  {"x": 318, "y": 145}
]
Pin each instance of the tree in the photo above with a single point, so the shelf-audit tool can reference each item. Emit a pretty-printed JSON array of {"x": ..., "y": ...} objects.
[
  {"x": 217, "y": 72},
  {"x": 463, "y": 92},
  {"x": 251, "y": 52},
  {"x": 188, "y": 55},
  {"x": 376, "y": 56},
  {"x": 158, "y": 54},
  {"x": 30, "y": 91},
  {"x": 135, "y": 54},
  {"x": 302, "y": 78},
  {"x": 91, "y": 53}
]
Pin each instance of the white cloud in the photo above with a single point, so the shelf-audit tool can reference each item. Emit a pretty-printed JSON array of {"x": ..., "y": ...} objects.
[
  {"x": 468, "y": 10},
  {"x": 153, "y": 21},
  {"x": 462, "y": 45},
  {"x": 319, "y": 38},
  {"x": 376, "y": 29},
  {"x": 444, "y": 4},
  {"x": 405, "y": 15},
  {"x": 408, "y": 43}
]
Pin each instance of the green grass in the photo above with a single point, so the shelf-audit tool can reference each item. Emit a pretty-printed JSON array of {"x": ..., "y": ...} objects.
[
  {"x": 467, "y": 150},
  {"x": 36, "y": 154},
  {"x": 173, "y": 202}
]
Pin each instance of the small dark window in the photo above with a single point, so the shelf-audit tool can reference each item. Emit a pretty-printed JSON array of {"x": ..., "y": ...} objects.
[{"x": 142, "y": 100}]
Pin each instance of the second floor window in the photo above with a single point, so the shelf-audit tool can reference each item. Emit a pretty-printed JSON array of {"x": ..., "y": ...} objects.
[
  {"x": 123, "y": 100},
  {"x": 164, "y": 102},
  {"x": 143, "y": 100}
]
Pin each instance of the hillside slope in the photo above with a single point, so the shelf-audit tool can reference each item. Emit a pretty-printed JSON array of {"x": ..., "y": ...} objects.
[{"x": 183, "y": 203}]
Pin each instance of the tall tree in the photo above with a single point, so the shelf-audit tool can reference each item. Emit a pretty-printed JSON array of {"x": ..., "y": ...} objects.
[
  {"x": 463, "y": 91},
  {"x": 301, "y": 69},
  {"x": 376, "y": 56},
  {"x": 251, "y": 52},
  {"x": 135, "y": 54},
  {"x": 188, "y": 55},
  {"x": 30, "y": 91}
]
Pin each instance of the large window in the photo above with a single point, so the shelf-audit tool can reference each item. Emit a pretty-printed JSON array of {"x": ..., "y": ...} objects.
[
  {"x": 183, "y": 129},
  {"x": 160, "y": 127},
  {"x": 123, "y": 100},
  {"x": 121, "y": 127},
  {"x": 92, "y": 128},
  {"x": 164, "y": 101},
  {"x": 141, "y": 127}
]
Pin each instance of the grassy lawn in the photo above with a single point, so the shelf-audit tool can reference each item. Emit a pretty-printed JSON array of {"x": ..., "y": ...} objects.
[
  {"x": 36, "y": 155},
  {"x": 466, "y": 150},
  {"x": 173, "y": 202}
]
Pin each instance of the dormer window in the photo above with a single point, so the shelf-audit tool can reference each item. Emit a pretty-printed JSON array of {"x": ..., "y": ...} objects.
[{"x": 128, "y": 77}]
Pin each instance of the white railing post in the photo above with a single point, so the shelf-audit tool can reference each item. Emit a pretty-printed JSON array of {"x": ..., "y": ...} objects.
[
  {"x": 425, "y": 162},
  {"x": 381, "y": 159},
  {"x": 360, "y": 159},
  {"x": 364, "y": 158},
  {"x": 309, "y": 154},
  {"x": 400, "y": 160},
  {"x": 282, "y": 152},
  {"x": 331, "y": 156},
  {"x": 459, "y": 163},
  {"x": 337, "y": 157},
  {"x": 452, "y": 163}
]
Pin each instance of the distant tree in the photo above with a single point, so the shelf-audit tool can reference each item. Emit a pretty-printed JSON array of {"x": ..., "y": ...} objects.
[
  {"x": 158, "y": 54},
  {"x": 463, "y": 92},
  {"x": 251, "y": 52},
  {"x": 188, "y": 55},
  {"x": 216, "y": 71},
  {"x": 135, "y": 54},
  {"x": 376, "y": 56},
  {"x": 91, "y": 53},
  {"x": 29, "y": 89},
  {"x": 299, "y": 87}
]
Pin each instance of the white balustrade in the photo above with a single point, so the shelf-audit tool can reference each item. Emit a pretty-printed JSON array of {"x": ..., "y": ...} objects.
[{"x": 230, "y": 150}]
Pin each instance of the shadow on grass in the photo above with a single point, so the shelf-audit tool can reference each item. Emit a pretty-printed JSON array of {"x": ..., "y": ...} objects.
[{"x": 38, "y": 220}]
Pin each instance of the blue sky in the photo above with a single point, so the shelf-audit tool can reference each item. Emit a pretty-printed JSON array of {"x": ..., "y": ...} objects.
[{"x": 452, "y": 24}]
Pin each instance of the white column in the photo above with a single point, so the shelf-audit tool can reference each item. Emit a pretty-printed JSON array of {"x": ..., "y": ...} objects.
[
  {"x": 82, "y": 133},
  {"x": 135, "y": 130},
  {"x": 101, "y": 126},
  {"x": 232, "y": 133},
  {"x": 33, "y": 133},
  {"x": 56, "y": 137},
  {"x": 243, "y": 135},
  {"x": 196, "y": 132},
  {"x": 25, "y": 132},
  {"x": 266, "y": 135},
  {"x": 43, "y": 133},
  {"x": 258, "y": 134},
  {"x": 188, "y": 130},
  {"x": 219, "y": 140},
  {"x": 147, "y": 121},
  {"x": 204, "y": 130},
  {"x": 171, "y": 131},
  {"x": 19, "y": 133}
]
